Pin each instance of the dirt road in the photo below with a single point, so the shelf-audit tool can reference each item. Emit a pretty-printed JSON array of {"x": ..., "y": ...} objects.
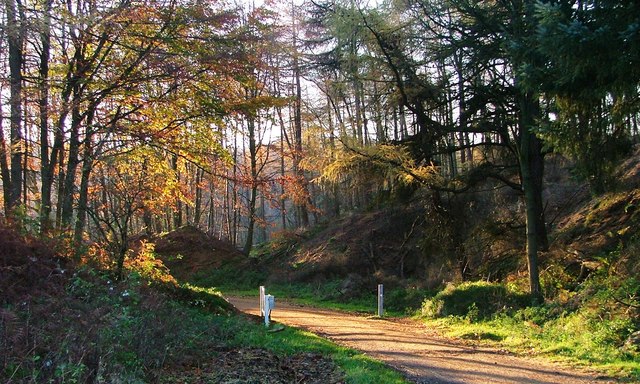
[{"x": 417, "y": 352}]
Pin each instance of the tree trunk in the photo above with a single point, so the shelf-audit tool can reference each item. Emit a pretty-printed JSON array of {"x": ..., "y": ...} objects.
[
  {"x": 177, "y": 214},
  {"x": 4, "y": 168},
  {"x": 264, "y": 235},
  {"x": 122, "y": 249},
  {"x": 83, "y": 198},
  {"x": 73, "y": 160},
  {"x": 147, "y": 218},
  {"x": 381, "y": 133},
  {"x": 297, "y": 155},
  {"x": 283, "y": 201},
  {"x": 248, "y": 245},
  {"x": 15, "y": 37},
  {"x": 83, "y": 195},
  {"x": 56, "y": 160},
  {"x": 531, "y": 170},
  {"x": 25, "y": 159},
  {"x": 211, "y": 218},
  {"x": 43, "y": 104},
  {"x": 197, "y": 210},
  {"x": 358, "y": 108}
]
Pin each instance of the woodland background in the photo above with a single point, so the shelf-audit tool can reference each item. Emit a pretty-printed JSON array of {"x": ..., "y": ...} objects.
[
  {"x": 479, "y": 158},
  {"x": 126, "y": 117}
]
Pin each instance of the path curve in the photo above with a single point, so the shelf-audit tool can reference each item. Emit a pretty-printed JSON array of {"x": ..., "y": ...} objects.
[{"x": 421, "y": 355}]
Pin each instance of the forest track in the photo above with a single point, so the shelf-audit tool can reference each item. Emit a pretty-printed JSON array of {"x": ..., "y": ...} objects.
[{"x": 419, "y": 353}]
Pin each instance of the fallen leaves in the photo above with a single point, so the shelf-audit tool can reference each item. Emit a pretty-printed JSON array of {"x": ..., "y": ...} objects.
[{"x": 258, "y": 366}]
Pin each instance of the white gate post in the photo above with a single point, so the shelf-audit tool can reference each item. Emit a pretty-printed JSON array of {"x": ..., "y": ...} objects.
[
  {"x": 262, "y": 293},
  {"x": 380, "y": 300}
]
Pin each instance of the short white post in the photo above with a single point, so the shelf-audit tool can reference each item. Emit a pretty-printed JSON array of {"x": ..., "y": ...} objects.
[
  {"x": 380, "y": 300},
  {"x": 262, "y": 293},
  {"x": 269, "y": 304}
]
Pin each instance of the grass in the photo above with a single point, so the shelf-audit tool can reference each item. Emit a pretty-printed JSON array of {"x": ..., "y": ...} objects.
[
  {"x": 571, "y": 340},
  {"x": 592, "y": 333},
  {"x": 477, "y": 300}
]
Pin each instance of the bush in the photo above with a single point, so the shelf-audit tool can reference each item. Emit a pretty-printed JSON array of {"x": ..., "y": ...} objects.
[
  {"x": 474, "y": 300},
  {"x": 406, "y": 299}
]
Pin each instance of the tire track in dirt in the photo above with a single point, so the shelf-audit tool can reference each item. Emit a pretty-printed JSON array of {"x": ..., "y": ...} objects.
[{"x": 421, "y": 355}]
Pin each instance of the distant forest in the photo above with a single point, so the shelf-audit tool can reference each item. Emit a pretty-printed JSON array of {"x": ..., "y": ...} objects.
[{"x": 125, "y": 117}]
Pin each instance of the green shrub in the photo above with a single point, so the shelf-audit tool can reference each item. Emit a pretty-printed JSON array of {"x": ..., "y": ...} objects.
[
  {"x": 206, "y": 298},
  {"x": 482, "y": 299},
  {"x": 537, "y": 315},
  {"x": 406, "y": 300}
]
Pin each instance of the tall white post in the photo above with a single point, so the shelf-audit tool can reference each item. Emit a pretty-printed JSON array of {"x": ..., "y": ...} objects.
[
  {"x": 262, "y": 293},
  {"x": 380, "y": 300}
]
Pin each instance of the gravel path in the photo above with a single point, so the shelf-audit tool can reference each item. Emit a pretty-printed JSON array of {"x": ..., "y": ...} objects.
[{"x": 419, "y": 353}]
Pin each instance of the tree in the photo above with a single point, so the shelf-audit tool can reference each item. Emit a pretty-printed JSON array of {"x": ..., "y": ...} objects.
[
  {"x": 128, "y": 184},
  {"x": 342, "y": 60},
  {"x": 258, "y": 98},
  {"x": 43, "y": 105},
  {"x": 589, "y": 72},
  {"x": 487, "y": 46},
  {"x": 15, "y": 36}
]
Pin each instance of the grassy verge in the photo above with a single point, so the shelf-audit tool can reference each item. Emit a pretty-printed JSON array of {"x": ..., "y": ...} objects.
[
  {"x": 591, "y": 329},
  {"x": 556, "y": 342}
]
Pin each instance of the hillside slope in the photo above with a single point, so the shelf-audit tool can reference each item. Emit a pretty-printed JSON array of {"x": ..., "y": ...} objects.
[{"x": 188, "y": 251}]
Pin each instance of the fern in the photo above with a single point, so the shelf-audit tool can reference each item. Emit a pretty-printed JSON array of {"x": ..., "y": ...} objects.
[{"x": 12, "y": 334}]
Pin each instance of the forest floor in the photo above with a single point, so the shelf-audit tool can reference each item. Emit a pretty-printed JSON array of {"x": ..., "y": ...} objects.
[{"x": 420, "y": 353}]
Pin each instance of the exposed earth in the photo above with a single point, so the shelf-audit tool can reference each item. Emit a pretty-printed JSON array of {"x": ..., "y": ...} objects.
[
  {"x": 419, "y": 353},
  {"x": 256, "y": 366}
]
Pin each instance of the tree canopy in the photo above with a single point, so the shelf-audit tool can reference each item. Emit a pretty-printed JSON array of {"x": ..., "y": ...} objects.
[{"x": 123, "y": 117}]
